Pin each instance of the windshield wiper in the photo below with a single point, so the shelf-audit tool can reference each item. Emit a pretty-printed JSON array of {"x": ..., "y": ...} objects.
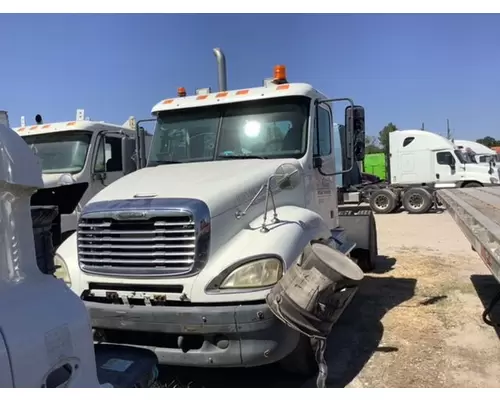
[
  {"x": 156, "y": 163},
  {"x": 241, "y": 157}
]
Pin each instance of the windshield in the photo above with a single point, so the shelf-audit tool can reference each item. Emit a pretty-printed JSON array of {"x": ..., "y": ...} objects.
[
  {"x": 463, "y": 158},
  {"x": 274, "y": 128},
  {"x": 61, "y": 152}
]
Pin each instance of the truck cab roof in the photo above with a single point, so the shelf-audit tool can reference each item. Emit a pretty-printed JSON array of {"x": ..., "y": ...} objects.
[
  {"x": 239, "y": 95},
  {"x": 67, "y": 126}
]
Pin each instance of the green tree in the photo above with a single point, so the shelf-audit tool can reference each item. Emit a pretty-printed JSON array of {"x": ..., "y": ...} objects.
[
  {"x": 488, "y": 141},
  {"x": 372, "y": 146},
  {"x": 383, "y": 135}
]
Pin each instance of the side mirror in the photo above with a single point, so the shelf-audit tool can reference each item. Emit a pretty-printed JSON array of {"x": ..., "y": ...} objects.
[
  {"x": 357, "y": 115},
  {"x": 128, "y": 151}
]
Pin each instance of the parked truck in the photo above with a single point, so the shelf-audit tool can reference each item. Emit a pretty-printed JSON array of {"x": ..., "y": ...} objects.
[
  {"x": 180, "y": 256},
  {"x": 477, "y": 152},
  {"x": 419, "y": 163},
  {"x": 79, "y": 158},
  {"x": 45, "y": 332}
]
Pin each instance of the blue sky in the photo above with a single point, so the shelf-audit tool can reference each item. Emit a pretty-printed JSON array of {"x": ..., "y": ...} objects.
[{"x": 405, "y": 69}]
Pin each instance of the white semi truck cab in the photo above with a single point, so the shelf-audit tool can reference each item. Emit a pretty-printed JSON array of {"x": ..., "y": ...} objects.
[
  {"x": 79, "y": 158},
  {"x": 180, "y": 256},
  {"x": 477, "y": 152},
  {"x": 419, "y": 163}
]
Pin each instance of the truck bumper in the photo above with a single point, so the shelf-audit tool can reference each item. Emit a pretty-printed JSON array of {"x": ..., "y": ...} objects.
[{"x": 203, "y": 336}]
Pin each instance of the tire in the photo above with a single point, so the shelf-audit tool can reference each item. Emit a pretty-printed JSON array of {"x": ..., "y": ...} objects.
[
  {"x": 472, "y": 184},
  {"x": 301, "y": 361},
  {"x": 383, "y": 201},
  {"x": 417, "y": 201}
]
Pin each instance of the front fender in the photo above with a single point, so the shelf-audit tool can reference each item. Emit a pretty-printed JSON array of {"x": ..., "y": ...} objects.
[
  {"x": 69, "y": 253},
  {"x": 285, "y": 239}
]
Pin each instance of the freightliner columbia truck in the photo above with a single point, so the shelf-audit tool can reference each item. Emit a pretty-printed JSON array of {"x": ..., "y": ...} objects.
[{"x": 180, "y": 256}]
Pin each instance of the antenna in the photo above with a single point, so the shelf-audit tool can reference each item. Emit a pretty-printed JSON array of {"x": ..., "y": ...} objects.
[
  {"x": 423, "y": 127},
  {"x": 448, "y": 132}
]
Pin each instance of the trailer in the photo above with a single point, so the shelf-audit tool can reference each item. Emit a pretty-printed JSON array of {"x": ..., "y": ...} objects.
[{"x": 477, "y": 213}]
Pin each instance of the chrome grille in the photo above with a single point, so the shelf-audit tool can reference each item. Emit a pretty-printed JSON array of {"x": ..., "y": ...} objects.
[{"x": 162, "y": 245}]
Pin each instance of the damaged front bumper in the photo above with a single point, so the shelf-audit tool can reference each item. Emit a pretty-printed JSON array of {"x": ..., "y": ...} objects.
[{"x": 210, "y": 335}]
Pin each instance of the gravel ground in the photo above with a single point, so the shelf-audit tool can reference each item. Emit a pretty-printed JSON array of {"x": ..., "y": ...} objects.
[{"x": 415, "y": 322}]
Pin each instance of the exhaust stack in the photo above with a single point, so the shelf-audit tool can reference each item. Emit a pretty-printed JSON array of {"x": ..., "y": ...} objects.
[{"x": 221, "y": 69}]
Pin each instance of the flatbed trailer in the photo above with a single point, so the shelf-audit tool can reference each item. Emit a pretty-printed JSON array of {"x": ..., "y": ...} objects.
[{"x": 477, "y": 213}]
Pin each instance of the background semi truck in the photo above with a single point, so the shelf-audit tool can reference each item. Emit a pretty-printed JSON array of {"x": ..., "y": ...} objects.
[
  {"x": 180, "y": 256},
  {"x": 417, "y": 164},
  {"x": 79, "y": 158},
  {"x": 47, "y": 341}
]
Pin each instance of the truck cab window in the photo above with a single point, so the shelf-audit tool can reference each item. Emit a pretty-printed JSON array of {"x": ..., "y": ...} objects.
[
  {"x": 323, "y": 139},
  {"x": 274, "y": 128},
  {"x": 444, "y": 158},
  {"x": 407, "y": 141},
  {"x": 109, "y": 154},
  {"x": 61, "y": 152}
]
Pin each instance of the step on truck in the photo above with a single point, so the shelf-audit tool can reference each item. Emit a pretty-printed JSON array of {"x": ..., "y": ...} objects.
[
  {"x": 180, "y": 256},
  {"x": 418, "y": 163},
  {"x": 477, "y": 212},
  {"x": 79, "y": 158}
]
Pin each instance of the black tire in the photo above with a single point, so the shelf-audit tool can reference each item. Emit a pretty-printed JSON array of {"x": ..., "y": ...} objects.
[
  {"x": 383, "y": 201},
  {"x": 472, "y": 184},
  {"x": 301, "y": 361},
  {"x": 417, "y": 201}
]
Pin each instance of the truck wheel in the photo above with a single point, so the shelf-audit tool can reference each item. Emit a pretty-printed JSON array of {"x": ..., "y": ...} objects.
[
  {"x": 383, "y": 201},
  {"x": 301, "y": 361},
  {"x": 472, "y": 184},
  {"x": 417, "y": 201}
]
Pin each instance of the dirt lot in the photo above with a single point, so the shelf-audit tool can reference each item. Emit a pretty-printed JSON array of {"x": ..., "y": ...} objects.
[{"x": 416, "y": 321}]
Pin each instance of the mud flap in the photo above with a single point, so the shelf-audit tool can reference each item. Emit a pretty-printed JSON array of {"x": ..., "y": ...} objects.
[
  {"x": 312, "y": 296},
  {"x": 360, "y": 227}
]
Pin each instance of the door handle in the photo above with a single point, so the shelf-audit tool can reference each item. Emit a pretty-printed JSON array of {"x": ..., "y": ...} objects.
[{"x": 437, "y": 176}]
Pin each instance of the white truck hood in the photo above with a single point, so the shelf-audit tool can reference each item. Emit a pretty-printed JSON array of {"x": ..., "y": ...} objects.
[
  {"x": 51, "y": 180},
  {"x": 222, "y": 185}
]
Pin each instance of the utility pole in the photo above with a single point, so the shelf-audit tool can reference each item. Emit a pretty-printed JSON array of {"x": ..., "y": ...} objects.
[{"x": 448, "y": 132}]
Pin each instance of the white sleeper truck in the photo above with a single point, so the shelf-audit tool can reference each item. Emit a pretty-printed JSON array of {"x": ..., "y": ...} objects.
[
  {"x": 180, "y": 256},
  {"x": 418, "y": 164},
  {"x": 478, "y": 152},
  {"x": 79, "y": 158}
]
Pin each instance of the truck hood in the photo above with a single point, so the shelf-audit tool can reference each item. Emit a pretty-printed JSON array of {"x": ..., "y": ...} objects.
[
  {"x": 479, "y": 168},
  {"x": 222, "y": 185},
  {"x": 51, "y": 180}
]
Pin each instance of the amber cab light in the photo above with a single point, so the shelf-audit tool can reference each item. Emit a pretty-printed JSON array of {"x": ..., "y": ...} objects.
[
  {"x": 280, "y": 73},
  {"x": 181, "y": 92}
]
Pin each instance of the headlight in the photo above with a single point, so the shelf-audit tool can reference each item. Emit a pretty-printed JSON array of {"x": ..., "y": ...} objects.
[
  {"x": 61, "y": 270},
  {"x": 255, "y": 274}
]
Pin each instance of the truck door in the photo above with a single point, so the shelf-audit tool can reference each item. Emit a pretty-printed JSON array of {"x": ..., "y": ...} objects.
[
  {"x": 445, "y": 169},
  {"x": 108, "y": 165},
  {"x": 325, "y": 191}
]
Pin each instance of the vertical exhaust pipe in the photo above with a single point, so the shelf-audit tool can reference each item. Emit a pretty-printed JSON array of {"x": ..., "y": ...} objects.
[{"x": 221, "y": 69}]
